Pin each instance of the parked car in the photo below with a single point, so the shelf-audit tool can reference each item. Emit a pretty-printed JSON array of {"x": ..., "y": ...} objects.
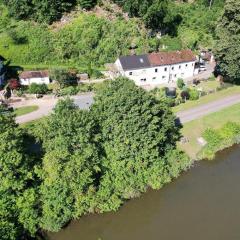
[{"x": 202, "y": 68}]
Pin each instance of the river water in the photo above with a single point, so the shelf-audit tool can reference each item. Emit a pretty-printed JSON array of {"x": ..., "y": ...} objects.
[{"x": 202, "y": 204}]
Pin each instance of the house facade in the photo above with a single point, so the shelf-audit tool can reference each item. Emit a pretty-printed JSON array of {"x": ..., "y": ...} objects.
[
  {"x": 2, "y": 70},
  {"x": 38, "y": 77},
  {"x": 157, "y": 68}
]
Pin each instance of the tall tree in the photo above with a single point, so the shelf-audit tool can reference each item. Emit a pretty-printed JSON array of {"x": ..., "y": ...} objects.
[
  {"x": 137, "y": 132},
  {"x": 18, "y": 183},
  {"x": 70, "y": 165},
  {"x": 227, "y": 50}
]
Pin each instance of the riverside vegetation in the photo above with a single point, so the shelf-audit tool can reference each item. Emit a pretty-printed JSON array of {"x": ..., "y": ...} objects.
[
  {"x": 88, "y": 161},
  {"x": 91, "y": 161}
]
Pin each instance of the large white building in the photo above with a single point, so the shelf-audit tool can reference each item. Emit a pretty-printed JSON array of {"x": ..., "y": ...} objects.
[
  {"x": 38, "y": 77},
  {"x": 157, "y": 68}
]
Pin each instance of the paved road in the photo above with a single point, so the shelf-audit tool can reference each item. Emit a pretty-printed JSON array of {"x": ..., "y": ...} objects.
[
  {"x": 202, "y": 110},
  {"x": 46, "y": 106},
  {"x": 84, "y": 101}
]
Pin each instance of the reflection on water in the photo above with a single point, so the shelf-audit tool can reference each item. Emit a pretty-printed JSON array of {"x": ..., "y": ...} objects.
[{"x": 203, "y": 204}]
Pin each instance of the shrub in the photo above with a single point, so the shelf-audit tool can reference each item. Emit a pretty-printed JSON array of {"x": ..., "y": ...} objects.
[
  {"x": 85, "y": 88},
  {"x": 68, "y": 91},
  {"x": 180, "y": 83},
  {"x": 219, "y": 139},
  {"x": 193, "y": 94},
  {"x": 185, "y": 94},
  {"x": 35, "y": 88},
  {"x": 63, "y": 77}
]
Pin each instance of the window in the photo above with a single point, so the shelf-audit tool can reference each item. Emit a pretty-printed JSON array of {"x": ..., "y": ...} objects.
[
  {"x": 163, "y": 77},
  {"x": 143, "y": 80},
  {"x": 165, "y": 69},
  {"x": 175, "y": 75},
  {"x": 180, "y": 66},
  {"x": 186, "y": 65},
  {"x": 130, "y": 73},
  {"x": 156, "y": 70},
  {"x": 154, "y": 78},
  {"x": 172, "y": 68}
]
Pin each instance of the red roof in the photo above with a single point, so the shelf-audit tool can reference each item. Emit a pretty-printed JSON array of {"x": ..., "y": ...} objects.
[
  {"x": 169, "y": 58},
  {"x": 34, "y": 74}
]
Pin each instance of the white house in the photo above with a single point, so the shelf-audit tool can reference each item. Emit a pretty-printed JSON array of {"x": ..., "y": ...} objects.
[
  {"x": 157, "y": 68},
  {"x": 39, "y": 77}
]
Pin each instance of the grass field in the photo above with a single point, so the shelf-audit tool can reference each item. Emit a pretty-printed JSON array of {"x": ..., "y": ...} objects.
[
  {"x": 25, "y": 110},
  {"x": 194, "y": 129},
  {"x": 208, "y": 98}
]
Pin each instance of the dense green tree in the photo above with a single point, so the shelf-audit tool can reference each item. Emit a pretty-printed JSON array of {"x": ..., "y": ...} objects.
[
  {"x": 63, "y": 77},
  {"x": 18, "y": 183},
  {"x": 39, "y": 10},
  {"x": 137, "y": 132},
  {"x": 70, "y": 164},
  {"x": 87, "y": 4},
  {"x": 227, "y": 50}
]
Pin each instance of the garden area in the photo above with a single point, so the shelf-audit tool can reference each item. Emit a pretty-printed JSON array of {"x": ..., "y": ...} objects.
[{"x": 188, "y": 96}]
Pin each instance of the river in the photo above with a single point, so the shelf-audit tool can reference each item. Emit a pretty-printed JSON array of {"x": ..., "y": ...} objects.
[{"x": 202, "y": 204}]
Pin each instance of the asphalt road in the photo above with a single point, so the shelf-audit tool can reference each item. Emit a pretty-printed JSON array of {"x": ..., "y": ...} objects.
[
  {"x": 85, "y": 101},
  {"x": 202, "y": 110}
]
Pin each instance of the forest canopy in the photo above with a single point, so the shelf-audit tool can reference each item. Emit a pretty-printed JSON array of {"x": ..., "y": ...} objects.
[{"x": 91, "y": 39}]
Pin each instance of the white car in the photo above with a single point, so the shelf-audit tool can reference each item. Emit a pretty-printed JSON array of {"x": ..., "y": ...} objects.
[{"x": 202, "y": 68}]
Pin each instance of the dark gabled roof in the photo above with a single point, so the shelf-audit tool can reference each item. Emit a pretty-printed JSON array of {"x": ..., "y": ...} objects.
[
  {"x": 135, "y": 62},
  {"x": 156, "y": 59},
  {"x": 2, "y": 58}
]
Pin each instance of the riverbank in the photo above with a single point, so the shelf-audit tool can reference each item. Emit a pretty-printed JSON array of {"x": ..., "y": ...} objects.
[{"x": 193, "y": 130}]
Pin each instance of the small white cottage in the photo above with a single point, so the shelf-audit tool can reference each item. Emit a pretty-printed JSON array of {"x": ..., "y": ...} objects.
[
  {"x": 38, "y": 77},
  {"x": 157, "y": 68}
]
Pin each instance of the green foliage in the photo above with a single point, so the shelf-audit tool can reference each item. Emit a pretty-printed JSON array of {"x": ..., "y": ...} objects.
[
  {"x": 35, "y": 88},
  {"x": 193, "y": 94},
  {"x": 218, "y": 139},
  {"x": 137, "y": 131},
  {"x": 38, "y": 10},
  {"x": 19, "y": 183},
  {"x": 70, "y": 164},
  {"x": 87, "y": 4},
  {"x": 64, "y": 78},
  {"x": 180, "y": 83},
  {"x": 68, "y": 91},
  {"x": 228, "y": 39}
]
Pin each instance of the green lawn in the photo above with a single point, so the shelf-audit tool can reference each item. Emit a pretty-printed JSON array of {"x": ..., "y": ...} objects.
[
  {"x": 208, "y": 98},
  {"x": 194, "y": 129},
  {"x": 25, "y": 110}
]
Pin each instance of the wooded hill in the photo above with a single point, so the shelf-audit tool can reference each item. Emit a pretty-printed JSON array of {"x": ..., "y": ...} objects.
[{"x": 86, "y": 37}]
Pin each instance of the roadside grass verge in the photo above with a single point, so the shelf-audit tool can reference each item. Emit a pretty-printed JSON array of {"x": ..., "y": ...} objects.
[
  {"x": 196, "y": 128},
  {"x": 208, "y": 98},
  {"x": 25, "y": 110}
]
